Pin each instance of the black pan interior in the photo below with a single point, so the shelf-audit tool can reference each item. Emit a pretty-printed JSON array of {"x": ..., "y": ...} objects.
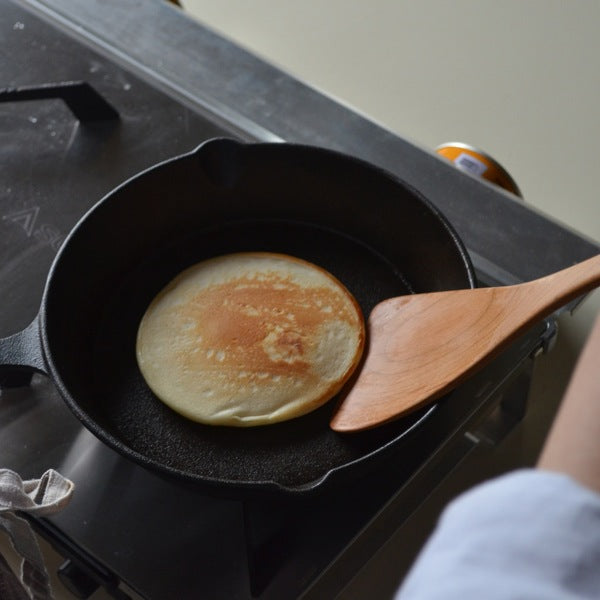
[{"x": 237, "y": 205}]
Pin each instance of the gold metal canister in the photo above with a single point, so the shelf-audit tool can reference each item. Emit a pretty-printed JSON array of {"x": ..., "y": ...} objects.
[{"x": 475, "y": 161}]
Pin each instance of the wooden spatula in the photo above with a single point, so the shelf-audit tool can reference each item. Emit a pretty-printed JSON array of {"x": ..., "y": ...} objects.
[{"x": 421, "y": 346}]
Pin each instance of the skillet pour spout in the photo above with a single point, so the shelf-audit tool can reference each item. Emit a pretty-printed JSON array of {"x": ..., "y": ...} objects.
[{"x": 375, "y": 233}]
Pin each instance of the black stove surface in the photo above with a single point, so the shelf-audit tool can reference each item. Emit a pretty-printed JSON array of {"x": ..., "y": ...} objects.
[
  {"x": 53, "y": 166},
  {"x": 162, "y": 538}
]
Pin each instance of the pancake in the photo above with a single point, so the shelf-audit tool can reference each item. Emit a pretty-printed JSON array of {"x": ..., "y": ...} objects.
[{"x": 250, "y": 339}]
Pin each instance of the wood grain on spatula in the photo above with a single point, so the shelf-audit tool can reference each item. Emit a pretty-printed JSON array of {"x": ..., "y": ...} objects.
[{"x": 421, "y": 346}]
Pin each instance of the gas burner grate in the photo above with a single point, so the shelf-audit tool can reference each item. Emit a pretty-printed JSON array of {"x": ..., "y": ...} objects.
[{"x": 86, "y": 104}]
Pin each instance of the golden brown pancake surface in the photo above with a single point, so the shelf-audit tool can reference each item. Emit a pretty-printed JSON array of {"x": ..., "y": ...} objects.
[{"x": 250, "y": 339}]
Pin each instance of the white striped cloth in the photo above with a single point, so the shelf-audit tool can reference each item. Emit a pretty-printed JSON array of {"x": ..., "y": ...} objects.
[{"x": 39, "y": 497}]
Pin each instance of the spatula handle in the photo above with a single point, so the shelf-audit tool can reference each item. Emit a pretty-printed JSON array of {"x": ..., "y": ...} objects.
[{"x": 562, "y": 287}]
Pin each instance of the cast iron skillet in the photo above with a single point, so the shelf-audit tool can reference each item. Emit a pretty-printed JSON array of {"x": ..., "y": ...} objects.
[{"x": 379, "y": 236}]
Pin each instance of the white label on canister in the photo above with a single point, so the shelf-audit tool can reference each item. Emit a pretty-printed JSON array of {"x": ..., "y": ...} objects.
[{"x": 470, "y": 163}]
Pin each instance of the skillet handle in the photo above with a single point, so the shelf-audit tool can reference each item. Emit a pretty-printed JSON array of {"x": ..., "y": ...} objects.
[{"x": 21, "y": 356}]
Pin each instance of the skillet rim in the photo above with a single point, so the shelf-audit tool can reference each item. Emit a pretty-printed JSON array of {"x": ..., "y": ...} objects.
[{"x": 221, "y": 486}]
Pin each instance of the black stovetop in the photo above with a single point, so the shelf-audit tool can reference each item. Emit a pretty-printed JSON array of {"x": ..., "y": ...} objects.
[{"x": 162, "y": 538}]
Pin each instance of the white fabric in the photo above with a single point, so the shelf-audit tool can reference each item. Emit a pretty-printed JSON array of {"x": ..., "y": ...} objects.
[
  {"x": 40, "y": 497},
  {"x": 529, "y": 535}
]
